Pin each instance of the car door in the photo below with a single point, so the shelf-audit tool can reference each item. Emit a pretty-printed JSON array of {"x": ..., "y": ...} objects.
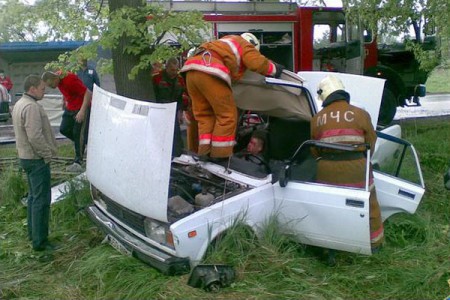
[
  {"x": 319, "y": 214},
  {"x": 397, "y": 175}
]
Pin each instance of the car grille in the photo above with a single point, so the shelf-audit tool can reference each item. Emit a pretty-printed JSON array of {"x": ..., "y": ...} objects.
[{"x": 132, "y": 219}]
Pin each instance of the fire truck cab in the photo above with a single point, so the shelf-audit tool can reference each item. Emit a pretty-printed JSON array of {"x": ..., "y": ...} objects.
[{"x": 312, "y": 39}]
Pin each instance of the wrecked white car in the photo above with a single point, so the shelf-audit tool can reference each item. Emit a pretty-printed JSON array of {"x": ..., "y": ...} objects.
[{"x": 146, "y": 202}]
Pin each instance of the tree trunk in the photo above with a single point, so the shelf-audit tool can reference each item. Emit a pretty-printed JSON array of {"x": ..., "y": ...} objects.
[{"x": 141, "y": 88}]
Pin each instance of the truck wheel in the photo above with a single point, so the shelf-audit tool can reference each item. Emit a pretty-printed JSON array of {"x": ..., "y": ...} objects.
[{"x": 388, "y": 108}]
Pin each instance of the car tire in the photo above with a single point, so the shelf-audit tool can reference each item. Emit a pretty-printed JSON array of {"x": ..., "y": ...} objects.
[{"x": 388, "y": 108}]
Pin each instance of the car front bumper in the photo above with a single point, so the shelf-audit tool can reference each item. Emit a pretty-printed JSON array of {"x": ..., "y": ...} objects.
[{"x": 164, "y": 262}]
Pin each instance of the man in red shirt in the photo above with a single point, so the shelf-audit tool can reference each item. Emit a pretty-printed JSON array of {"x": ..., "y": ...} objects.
[
  {"x": 76, "y": 102},
  {"x": 5, "y": 80}
]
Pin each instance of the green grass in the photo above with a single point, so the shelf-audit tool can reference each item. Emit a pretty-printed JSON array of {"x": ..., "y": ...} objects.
[
  {"x": 438, "y": 80},
  {"x": 414, "y": 264}
]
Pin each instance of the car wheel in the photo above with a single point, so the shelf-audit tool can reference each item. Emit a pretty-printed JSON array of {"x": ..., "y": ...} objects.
[{"x": 388, "y": 108}]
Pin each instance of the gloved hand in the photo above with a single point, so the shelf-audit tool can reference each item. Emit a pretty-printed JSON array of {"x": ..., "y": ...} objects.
[{"x": 279, "y": 70}]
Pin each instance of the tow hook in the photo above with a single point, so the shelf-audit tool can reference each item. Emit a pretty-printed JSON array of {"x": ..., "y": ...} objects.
[{"x": 211, "y": 278}]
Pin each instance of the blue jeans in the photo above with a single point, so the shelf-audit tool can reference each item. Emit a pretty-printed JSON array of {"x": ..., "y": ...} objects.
[{"x": 39, "y": 198}]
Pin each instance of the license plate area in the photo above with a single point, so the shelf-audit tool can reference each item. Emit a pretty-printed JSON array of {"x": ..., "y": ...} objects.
[{"x": 118, "y": 246}]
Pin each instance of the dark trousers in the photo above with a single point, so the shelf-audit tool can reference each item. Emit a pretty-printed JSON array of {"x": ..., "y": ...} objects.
[
  {"x": 73, "y": 130},
  {"x": 39, "y": 198}
]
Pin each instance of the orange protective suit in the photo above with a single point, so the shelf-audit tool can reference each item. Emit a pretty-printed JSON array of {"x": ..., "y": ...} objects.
[
  {"x": 210, "y": 73},
  {"x": 340, "y": 122}
]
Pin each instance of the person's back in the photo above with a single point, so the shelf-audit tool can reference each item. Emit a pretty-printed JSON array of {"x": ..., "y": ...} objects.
[
  {"x": 341, "y": 122},
  {"x": 77, "y": 99},
  {"x": 209, "y": 76}
]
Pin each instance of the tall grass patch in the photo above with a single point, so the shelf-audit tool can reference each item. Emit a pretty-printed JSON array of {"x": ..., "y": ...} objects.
[
  {"x": 437, "y": 81},
  {"x": 413, "y": 264}
]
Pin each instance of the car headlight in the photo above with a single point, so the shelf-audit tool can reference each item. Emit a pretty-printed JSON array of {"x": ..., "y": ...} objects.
[{"x": 159, "y": 232}]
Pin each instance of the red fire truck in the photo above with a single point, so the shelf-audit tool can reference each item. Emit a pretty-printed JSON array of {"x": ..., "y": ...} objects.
[{"x": 316, "y": 39}]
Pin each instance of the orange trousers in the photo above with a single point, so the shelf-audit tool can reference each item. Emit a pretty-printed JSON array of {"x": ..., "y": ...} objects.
[
  {"x": 215, "y": 111},
  {"x": 376, "y": 224}
]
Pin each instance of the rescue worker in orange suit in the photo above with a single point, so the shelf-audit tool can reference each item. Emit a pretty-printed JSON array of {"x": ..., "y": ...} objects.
[
  {"x": 341, "y": 122},
  {"x": 210, "y": 73}
]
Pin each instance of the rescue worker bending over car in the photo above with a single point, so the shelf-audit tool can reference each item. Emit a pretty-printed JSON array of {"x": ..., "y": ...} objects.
[
  {"x": 209, "y": 76},
  {"x": 341, "y": 122}
]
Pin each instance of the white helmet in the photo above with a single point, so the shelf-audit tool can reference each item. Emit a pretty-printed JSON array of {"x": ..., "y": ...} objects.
[
  {"x": 329, "y": 85},
  {"x": 191, "y": 52},
  {"x": 252, "y": 39}
]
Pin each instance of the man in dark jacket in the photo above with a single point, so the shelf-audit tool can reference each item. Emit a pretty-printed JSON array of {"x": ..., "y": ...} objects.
[{"x": 169, "y": 87}]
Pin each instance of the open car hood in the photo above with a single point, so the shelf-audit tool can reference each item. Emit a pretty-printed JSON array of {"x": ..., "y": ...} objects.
[
  {"x": 129, "y": 151},
  {"x": 283, "y": 98}
]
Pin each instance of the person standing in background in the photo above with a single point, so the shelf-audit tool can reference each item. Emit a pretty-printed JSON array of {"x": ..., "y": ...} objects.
[
  {"x": 77, "y": 99},
  {"x": 169, "y": 86},
  {"x": 89, "y": 77},
  {"x": 36, "y": 145},
  {"x": 5, "y": 81}
]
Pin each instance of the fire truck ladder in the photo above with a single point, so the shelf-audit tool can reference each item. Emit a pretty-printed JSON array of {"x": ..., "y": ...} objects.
[{"x": 222, "y": 7}]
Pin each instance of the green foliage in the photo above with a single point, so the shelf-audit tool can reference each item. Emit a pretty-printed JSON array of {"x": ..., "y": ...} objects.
[
  {"x": 427, "y": 59},
  {"x": 54, "y": 20},
  {"x": 152, "y": 33},
  {"x": 396, "y": 19}
]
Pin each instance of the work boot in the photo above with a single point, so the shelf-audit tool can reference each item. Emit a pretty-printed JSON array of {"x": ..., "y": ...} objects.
[{"x": 47, "y": 247}]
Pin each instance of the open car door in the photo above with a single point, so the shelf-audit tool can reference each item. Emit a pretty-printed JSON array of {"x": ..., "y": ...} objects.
[
  {"x": 398, "y": 177},
  {"x": 324, "y": 215},
  {"x": 337, "y": 217}
]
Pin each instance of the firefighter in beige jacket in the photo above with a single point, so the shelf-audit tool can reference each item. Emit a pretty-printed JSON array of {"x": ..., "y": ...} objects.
[{"x": 36, "y": 144}]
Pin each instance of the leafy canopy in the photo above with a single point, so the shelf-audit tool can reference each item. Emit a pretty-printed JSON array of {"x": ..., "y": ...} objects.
[{"x": 148, "y": 27}]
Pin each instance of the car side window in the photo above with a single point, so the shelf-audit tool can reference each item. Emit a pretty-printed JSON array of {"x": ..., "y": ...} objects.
[{"x": 397, "y": 158}]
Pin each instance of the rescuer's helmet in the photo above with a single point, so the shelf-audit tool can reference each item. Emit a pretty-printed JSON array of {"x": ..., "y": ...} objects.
[
  {"x": 191, "y": 52},
  {"x": 252, "y": 39},
  {"x": 329, "y": 85}
]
